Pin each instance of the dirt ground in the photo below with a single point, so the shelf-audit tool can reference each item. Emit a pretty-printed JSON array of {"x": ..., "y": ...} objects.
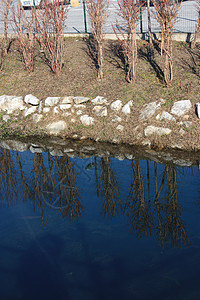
[{"x": 79, "y": 78}]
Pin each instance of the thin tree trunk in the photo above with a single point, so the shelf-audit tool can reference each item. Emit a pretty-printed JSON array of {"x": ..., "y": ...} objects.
[
  {"x": 100, "y": 60},
  {"x": 149, "y": 21},
  {"x": 5, "y": 34},
  {"x": 197, "y": 33}
]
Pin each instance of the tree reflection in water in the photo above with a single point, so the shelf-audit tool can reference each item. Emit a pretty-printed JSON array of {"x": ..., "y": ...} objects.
[
  {"x": 109, "y": 188},
  {"x": 161, "y": 216},
  {"x": 8, "y": 182},
  {"x": 138, "y": 211},
  {"x": 170, "y": 225},
  {"x": 151, "y": 205},
  {"x": 52, "y": 185}
]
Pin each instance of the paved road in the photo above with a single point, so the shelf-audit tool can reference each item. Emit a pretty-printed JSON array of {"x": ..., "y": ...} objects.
[{"x": 186, "y": 20}]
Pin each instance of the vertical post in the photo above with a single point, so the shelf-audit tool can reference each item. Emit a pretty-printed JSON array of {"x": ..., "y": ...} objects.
[
  {"x": 84, "y": 12},
  {"x": 141, "y": 30},
  {"x": 34, "y": 5}
]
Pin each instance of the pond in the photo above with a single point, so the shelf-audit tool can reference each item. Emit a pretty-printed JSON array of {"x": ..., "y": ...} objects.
[{"x": 97, "y": 226}]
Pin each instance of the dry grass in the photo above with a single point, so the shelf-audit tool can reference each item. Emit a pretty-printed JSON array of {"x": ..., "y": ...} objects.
[{"x": 79, "y": 75}]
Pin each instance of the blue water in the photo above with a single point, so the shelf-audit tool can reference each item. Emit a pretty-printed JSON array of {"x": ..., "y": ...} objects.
[{"x": 97, "y": 228}]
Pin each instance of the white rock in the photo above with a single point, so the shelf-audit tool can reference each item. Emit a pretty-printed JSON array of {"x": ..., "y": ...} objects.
[
  {"x": 166, "y": 116},
  {"x": 56, "y": 127},
  {"x": 115, "y": 140},
  {"x": 79, "y": 106},
  {"x": 119, "y": 157},
  {"x": 56, "y": 110},
  {"x": 79, "y": 112},
  {"x": 75, "y": 136},
  {"x": 187, "y": 124},
  {"x": 37, "y": 117},
  {"x": 32, "y": 100},
  {"x": 65, "y": 106},
  {"x": 99, "y": 100},
  {"x": 79, "y": 100},
  {"x": 6, "y": 118},
  {"x": 129, "y": 156},
  {"x": 146, "y": 143},
  {"x": 182, "y": 163},
  {"x": 149, "y": 130},
  {"x": 56, "y": 152},
  {"x": 88, "y": 148},
  {"x": 127, "y": 107},
  {"x": 181, "y": 131},
  {"x": 149, "y": 110},
  {"x": 120, "y": 128},
  {"x": 181, "y": 107},
  {"x": 100, "y": 111},
  {"x": 116, "y": 105},
  {"x": 29, "y": 111},
  {"x": 46, "y": 110},
  {"x": 51, "y": 101},
  {"x": 180, "y": 123},
  {"x": 68, "y": 150},
  {"x": 116, "y": 119},
  {"x": 36, "y": 149},
  {"x": 67, "y": 100},
  {"x": 2, "y": 99},
  {"x": 158, "y": 117},
  {"x": 177, "y": 146},
  {"x": 73, "y": 120},
  {"x": 14, "y": 145},
  {"x": 86, "y": 120},
  {"x": 197, "y": 106},
  {"x": 40, "y": 107},
  {"x": 11, "y": 103},
  {"x": 162, "y": 101},
  {"x": 67, "y": 114},
  {"x": 72, "y": 155}
]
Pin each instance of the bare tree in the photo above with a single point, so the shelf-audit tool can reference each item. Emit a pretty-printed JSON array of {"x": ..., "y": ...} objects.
[
  {"x": 6, "y": 4},
  {"x": 197, "y": 30},
  {"x": 166, "y": 15},
  {"x": 98, "y": 12},
  {"x": 50, "y": 20},
  {"x": 129, "y": 13},
  {"x": 25, "y": 31}
]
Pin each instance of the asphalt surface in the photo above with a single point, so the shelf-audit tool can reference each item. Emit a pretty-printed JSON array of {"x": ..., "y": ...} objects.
[{"x": 186, "y": 21}]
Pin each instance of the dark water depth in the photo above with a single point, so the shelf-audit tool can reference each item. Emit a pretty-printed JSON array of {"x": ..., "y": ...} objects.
[{"x": 97, "y": 228}]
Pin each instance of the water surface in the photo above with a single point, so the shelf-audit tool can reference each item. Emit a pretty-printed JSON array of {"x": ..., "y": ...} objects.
[{"x": 98, "y": 228}]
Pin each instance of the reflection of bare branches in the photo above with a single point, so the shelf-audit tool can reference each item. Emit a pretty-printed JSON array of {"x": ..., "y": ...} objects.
[
  {"x": 109, "y": 188},
  {"x": 8, "y": 177},
  {"x": 56, "y": 186},
  {"x": 67, "y": 189},
  {"x": 136, "y": 209},
  {"x": 52, "y": 185},
  {"x": 174, "y": 227},
  {"x": 170, "y": 225}
]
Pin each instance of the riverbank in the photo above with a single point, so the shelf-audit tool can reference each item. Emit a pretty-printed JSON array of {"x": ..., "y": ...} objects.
[
  {"x": 156, "y": 125},
  {"x": 74, "y": 92}
]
